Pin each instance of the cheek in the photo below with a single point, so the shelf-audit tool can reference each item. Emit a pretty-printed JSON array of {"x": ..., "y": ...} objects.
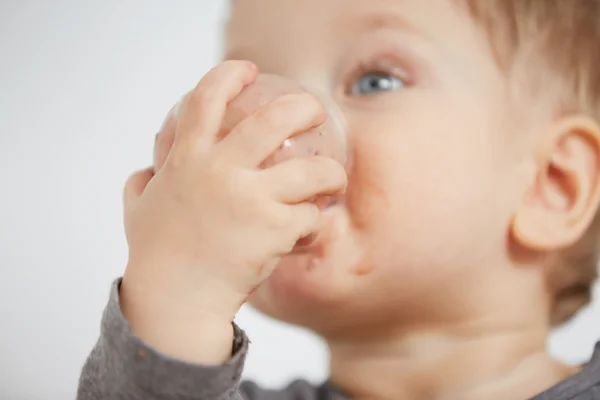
[{"x": 425, "y": 193}]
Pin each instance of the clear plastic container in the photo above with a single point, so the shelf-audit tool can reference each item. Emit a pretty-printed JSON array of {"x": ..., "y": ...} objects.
[{"x": 329, "y": 139}]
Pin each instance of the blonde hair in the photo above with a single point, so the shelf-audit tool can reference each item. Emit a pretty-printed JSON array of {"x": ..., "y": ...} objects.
[{"x": 560, "y": 43}]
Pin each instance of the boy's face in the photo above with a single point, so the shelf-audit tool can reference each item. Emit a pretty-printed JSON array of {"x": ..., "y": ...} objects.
[{"x": 436, "y": 174}]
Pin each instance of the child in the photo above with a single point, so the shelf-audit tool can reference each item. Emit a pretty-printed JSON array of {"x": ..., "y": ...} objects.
[{"x": 466, "y": 232}]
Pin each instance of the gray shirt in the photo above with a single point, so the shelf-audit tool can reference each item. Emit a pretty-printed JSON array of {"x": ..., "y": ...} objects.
[{"x": 121, "y": 367}]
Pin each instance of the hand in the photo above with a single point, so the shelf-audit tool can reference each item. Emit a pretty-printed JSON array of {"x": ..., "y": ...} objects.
[{"x": 210, "y": 225}]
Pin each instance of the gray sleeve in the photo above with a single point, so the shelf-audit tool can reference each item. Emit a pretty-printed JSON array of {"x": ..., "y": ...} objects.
[
  {"x": 122, "y": 367},
  {"x": 584, "y": 385}
]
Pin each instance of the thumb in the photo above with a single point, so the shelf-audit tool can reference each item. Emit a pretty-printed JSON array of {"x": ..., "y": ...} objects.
[{"x": 135, "y": 185}]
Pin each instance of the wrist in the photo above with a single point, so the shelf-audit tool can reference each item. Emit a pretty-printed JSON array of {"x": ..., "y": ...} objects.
[
  {"x": 180, "y": 330},
  {"x": 162, "y": 286}
]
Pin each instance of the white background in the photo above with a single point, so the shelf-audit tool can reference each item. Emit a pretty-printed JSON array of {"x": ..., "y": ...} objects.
[{"x": 83, "y": 87}]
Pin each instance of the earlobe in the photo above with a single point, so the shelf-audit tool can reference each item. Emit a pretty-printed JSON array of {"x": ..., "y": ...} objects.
[{"x": 563, "y": 199}]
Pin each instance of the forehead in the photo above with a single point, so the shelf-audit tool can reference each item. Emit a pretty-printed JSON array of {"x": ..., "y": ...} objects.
[{"x": 278, "y": 24}]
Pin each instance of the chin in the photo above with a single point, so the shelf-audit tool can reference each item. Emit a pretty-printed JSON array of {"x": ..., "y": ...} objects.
[
  {"x": 309, "y": 289},
  {"x": 315, "y": 288},
  {"x": 300, "y": 285}
]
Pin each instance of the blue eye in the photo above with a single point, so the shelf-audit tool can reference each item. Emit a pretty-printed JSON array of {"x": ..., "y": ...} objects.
[{"x": 375, "y": 82}]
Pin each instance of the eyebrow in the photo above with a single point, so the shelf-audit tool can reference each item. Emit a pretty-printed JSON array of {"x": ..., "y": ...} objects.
[{"x": 385, "y": 20}]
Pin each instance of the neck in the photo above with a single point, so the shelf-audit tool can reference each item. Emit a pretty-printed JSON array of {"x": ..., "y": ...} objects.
[
  {"x": 428, "y": 366},
  {"x": 480, "y": 358}
]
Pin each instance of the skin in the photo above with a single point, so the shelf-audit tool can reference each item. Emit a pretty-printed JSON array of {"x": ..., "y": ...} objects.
[{"x": 429, "y": 280}]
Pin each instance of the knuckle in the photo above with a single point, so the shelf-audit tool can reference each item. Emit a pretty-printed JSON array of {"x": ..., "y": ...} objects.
[
  {"x": 312, "y": 108},
  {"x": 230, "y": 64},
  {"x": 227, "y": 73},
  {"x": 130, "y": 179},
  {"x": 237, "y": 67},
  {"x": 201, "y": 96},
  {"x": 295, "y": 100},
  {"x": 269, "y": 115},
  {"x": 286, "y": 103},
  {"x": 280, "y": 218},
  {"x": 291, "y": 108},
  {"x": 127, "y": 188},
  {"x": 178, "y": 158},
  {"x": 311, "y": 103},
  {"x": 174, "y": 112},
  {"x": 286, "y": 100},
  {"x": 304, "y": 108},
  {"x": 172, "y": 173}
]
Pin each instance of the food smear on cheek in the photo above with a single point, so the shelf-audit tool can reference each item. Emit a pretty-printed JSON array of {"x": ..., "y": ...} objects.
[
  {"x": 366, "y": 199},
  {"x": 368, "y": 204}
]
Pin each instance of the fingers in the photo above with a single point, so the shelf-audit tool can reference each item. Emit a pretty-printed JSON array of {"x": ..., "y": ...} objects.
[
  {"x": 293, "y": 222},
  {"x": 261, "y": 133},
  {"x": 135, "y": 185},
  {"x": 268, "y": 267},
  {"x": 203, "y": 109},
  {"x": 299, "y": 179},
  {"x": 305, "y": 219}
]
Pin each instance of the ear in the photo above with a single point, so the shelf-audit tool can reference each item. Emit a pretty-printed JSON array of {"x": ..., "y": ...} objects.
[{"x": 563, "y": 199}]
